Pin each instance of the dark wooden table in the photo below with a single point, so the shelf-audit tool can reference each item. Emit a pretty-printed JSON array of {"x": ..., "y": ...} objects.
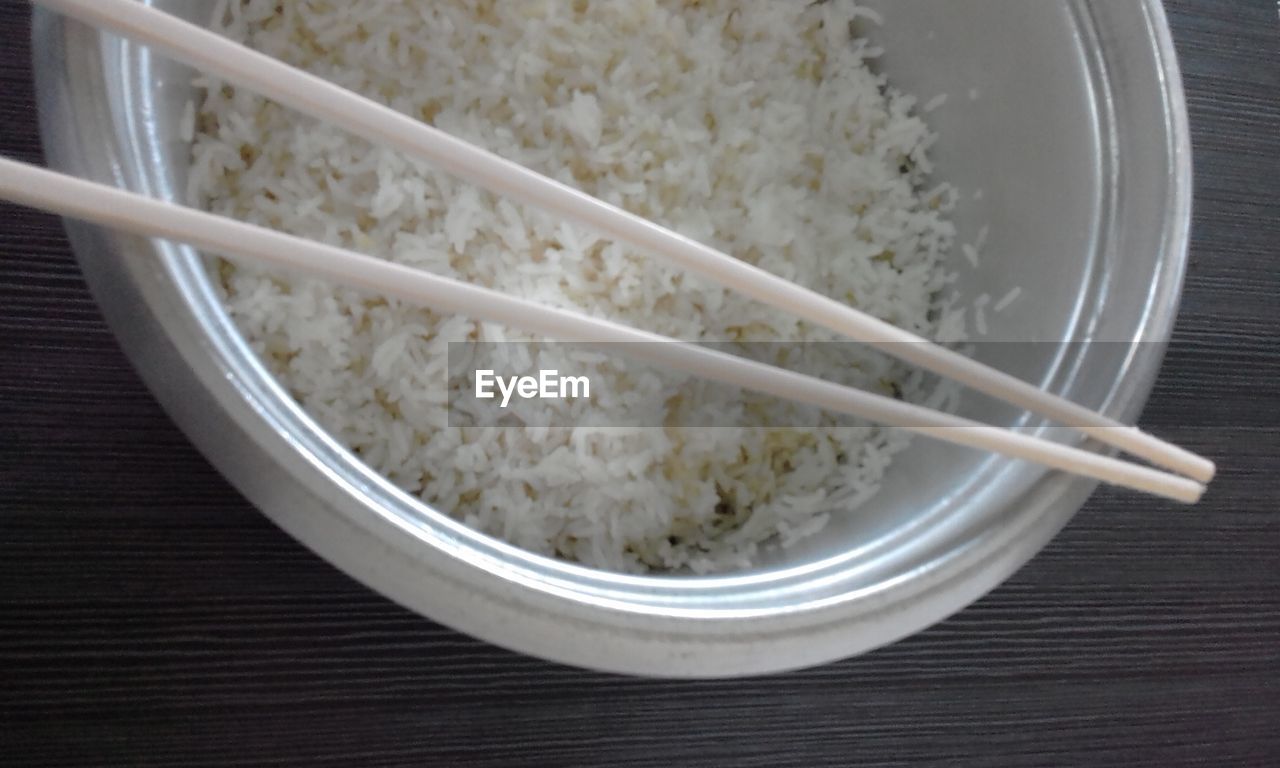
[{"x": 149, "y": 616}]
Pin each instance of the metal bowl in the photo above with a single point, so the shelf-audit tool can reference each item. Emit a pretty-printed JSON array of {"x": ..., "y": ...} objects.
[{"x": 1067, "y": 115}]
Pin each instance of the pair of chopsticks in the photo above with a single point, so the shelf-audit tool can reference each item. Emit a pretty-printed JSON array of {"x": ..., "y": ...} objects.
[{"x": 311, "y": 95}]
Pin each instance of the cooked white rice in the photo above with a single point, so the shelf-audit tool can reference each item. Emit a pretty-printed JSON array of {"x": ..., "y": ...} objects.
[
  {"x": 980, "y": 305},
  {"x": 1009, "y": 298},
  {"x": 753, "y": 125}
]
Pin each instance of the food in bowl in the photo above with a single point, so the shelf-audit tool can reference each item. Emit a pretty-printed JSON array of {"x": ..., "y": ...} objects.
[{"x": 759, "y": 127}]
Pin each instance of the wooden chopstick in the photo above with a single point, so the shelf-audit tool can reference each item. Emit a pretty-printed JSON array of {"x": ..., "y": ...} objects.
[{"x": 119, "y": 209}]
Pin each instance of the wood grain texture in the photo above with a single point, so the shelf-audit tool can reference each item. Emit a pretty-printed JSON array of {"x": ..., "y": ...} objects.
[{"x": 150, "y": 617}]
